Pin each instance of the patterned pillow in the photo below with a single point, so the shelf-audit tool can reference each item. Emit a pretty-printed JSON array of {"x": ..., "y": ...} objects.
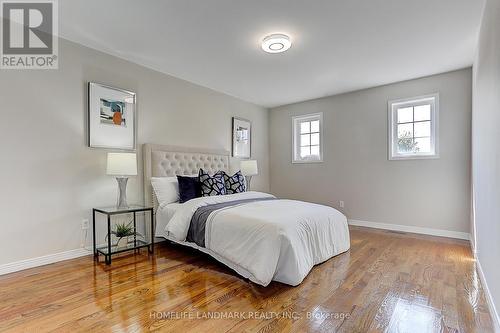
[
  {"x": 235, "y": 183},
  {"x": 212, "y": 185}
]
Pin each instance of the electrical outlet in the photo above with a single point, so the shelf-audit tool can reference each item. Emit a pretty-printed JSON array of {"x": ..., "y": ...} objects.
[
  {"x": 341, "y": 204},
  {"x": 85, "y": 224}
]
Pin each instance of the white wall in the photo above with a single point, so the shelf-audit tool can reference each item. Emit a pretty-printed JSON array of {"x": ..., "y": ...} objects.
[
  {"x": 486, "y": 147},
  {"x": 50, "y": 180},
  {"x": 431, "y": 193}
]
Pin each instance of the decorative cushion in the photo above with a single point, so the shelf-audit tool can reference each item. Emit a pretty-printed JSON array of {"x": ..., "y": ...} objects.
[
  {"x": 212, "y": 185},
  {"x": 235, "y": 183},
  {"x": 189, "y": 188},
  {"x": 166, "y": 189}
]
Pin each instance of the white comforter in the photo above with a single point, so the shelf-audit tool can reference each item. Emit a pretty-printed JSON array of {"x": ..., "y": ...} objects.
[{"x": 268, "y": 240}]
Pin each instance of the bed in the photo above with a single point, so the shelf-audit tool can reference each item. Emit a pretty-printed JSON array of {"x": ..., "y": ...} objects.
[{"x": 259, "y": 236}]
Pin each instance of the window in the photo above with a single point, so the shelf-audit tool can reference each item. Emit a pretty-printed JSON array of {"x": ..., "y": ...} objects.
[
  {"x": 413, "y": 128},
  {"x": 307, "y": 138}
]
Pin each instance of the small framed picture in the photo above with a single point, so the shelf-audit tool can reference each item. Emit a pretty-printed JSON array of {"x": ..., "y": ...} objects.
[
  {"x": 111, "y": 117},
  {"x": 242, "y": 138}
]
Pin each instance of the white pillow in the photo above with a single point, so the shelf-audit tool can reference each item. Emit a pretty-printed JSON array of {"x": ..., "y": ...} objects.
[{"x": 166, "y": 189}]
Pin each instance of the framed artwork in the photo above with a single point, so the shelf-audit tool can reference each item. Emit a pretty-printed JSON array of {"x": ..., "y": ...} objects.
[
  {"x": 111, "y": 117},
  {"x": 242, "y": 138}
]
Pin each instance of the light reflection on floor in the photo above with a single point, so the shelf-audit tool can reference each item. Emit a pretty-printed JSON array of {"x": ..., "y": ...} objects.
[{"x": 411, "y": 317}]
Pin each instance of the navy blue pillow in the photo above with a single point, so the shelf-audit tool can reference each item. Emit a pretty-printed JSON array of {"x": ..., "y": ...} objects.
[{"x": 189, "y": 188}]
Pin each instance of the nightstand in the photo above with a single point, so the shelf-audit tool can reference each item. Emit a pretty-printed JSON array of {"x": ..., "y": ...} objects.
[{"x": 133, "y": 241}]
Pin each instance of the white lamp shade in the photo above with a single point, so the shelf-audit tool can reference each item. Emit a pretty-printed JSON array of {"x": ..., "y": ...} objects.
[
  {"x": 249, "y": 168},
  {"x": 122, "y": 164}
]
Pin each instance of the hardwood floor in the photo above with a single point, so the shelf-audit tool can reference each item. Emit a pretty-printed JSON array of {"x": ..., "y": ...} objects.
[{"x": 388, "y": 281}]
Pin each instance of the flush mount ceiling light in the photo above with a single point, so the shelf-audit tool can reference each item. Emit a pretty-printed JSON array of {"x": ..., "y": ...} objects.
[{"x": 276, "y": 43}]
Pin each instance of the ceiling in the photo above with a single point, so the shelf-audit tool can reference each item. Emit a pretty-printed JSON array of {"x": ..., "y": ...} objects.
[{"x": 338, "y": 46}]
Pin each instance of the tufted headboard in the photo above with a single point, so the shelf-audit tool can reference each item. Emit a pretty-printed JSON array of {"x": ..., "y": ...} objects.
[{"x": 169, "y": 161}]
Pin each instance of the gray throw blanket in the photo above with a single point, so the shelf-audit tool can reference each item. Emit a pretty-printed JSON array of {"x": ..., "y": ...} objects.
[{"x": 196, "y": 232}]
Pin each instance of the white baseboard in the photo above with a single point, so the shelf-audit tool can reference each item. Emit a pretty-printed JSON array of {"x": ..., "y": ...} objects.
[
  {"x": 40, "y": 261},
  {"x": 412, "y": 229},
  {"x": 489, "y": 298}
]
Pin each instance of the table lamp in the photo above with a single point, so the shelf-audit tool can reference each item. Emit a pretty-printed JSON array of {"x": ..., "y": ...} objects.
[
  {"x": 248, "y": 169},
  {"x": 122, "y": 165}
]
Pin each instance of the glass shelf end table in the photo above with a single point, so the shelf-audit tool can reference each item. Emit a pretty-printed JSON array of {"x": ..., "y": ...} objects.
[{"x": 133, "y": 241}]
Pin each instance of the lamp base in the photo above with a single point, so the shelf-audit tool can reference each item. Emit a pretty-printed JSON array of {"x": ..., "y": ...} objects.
[
  {"x": 122, "y": 192},
  {"x": 248, "y": 180}
]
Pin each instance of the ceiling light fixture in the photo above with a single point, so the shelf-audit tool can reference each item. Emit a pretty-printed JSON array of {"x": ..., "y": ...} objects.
[{"x": 276, "y": 43}]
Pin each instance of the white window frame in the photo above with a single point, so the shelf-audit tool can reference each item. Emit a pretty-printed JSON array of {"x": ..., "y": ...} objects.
[
  {"x": 296, "y": 120},
  {"x": 393, "y": 105}
]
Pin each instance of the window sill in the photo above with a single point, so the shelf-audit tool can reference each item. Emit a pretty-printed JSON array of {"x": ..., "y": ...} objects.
[
  {"x": 307, "y": 162},
  {"x": 414, "y": 157}
]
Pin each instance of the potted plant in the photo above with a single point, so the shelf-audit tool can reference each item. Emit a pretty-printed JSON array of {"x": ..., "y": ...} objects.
[{"x": 122, "y": 232}]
